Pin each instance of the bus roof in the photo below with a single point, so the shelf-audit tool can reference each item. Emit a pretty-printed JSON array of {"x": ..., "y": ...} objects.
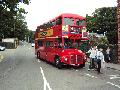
[
  {"x": 72, "y": 15},
  {"x": 69, "y": 15}
]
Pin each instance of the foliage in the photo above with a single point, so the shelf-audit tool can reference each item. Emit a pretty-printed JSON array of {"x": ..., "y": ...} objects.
[
  {"x": 91, "y": 22},
  {"x": 103, "y": 40},
  {"x": 12, "y": 20},
  {"x": 84, "y": 46},
  {"x": 112, "y": 37},
  {"x": 30, "y": 35},
  {"x": 105, "y": 22},
  {"x": 103, "y": 43},
  {"x": 103, "y": 46}
]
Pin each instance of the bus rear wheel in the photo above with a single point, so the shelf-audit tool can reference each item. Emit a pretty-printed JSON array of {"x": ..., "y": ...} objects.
[{"x": 58, "y": 64}]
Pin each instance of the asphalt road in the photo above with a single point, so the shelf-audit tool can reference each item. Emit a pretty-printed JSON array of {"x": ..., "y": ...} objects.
[{"x": 20, "y": 70}]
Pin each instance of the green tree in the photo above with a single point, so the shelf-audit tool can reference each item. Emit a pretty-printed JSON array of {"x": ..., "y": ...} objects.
[
  {"x": 31, "y": 35},
  {"x": 105, "y": 23},
  {"x": 106, "y": 19},
  {"x": 10, "y": 26},
  {"x": 91, "y": 22}
]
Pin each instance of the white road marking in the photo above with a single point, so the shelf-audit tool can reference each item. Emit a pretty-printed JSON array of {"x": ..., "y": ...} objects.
[
  {"x": 113, "y": 84},
  {"x": 45, "y": 81},
  {"x": 90, "y": 75},
  {"x": 1, "y": 57},
  {"x": 114, "y": 76},
  {"x": 76, "y": 70}
]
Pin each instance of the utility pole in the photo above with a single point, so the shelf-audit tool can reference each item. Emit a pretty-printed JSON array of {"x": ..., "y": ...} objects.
[{"x": 14, "y": 24}]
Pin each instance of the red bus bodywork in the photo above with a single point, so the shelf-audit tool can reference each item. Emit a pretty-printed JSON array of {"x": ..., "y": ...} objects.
[{"x": 52, "y": 37}]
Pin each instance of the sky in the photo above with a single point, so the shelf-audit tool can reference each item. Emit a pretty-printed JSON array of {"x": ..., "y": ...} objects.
[{"x": 41, "y": 11}]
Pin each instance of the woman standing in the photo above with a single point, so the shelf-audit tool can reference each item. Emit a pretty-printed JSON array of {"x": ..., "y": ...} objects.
[
  {"x": 92, "y": 56},
  {"x": 108, "y": 55}
]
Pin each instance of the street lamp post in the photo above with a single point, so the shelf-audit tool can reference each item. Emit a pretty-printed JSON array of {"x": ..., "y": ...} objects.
[
  {"x": 14, "y": 29},
  {"x": 14, "y": 25},
  {"x": 3, "y": 39},
  {"x": 3, "y": 36}
]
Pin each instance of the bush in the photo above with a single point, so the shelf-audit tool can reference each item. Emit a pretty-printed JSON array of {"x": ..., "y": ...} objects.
[{"x": 103, "y": 46}]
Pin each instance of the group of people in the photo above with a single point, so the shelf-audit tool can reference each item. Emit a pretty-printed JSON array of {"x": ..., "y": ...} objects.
[{"x": 96, "y": 59}]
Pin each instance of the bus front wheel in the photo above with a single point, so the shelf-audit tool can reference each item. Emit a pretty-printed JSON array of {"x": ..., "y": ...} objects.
[
  {"x": 82, "y": 65},
  {"x": 58, "y": 63}
]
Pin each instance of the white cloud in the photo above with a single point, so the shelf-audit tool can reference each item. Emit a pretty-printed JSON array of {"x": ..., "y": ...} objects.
[{"x": 40, "y": 11}]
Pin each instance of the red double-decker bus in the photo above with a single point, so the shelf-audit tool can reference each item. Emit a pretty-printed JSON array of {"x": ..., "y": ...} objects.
[{"x": 58, "y": 40}]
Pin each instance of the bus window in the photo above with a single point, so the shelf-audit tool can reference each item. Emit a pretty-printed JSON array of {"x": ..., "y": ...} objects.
[
  {"x": 44, "y": 26},
  {"x": 68, "y": 43},
  {"x": 48, "y": 25},
  {"x": 80, "y": 22},
  {"x": 59, "y": 21},
  {"x": 69, "y": 21},
  {"x": 59, "y": 41},
  {"x": 75, "y": 30},
  {"x": 49, "y": 44},
  {"x": 53, "y": 23},
  {"x": 40, "y": 43}
]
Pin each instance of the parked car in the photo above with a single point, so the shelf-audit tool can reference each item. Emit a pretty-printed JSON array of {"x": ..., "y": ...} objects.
[
  {"x": 2, "y": 48},
  {"x": 32, "y": 44}
]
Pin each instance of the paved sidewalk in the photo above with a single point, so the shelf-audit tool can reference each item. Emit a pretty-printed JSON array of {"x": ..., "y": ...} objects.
[
  {"x": 110, "y": 65},
  {"x": 113, "y": 66}
]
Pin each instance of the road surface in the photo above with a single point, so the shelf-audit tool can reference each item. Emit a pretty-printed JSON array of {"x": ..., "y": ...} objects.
[{"x": 20, "y": 70}]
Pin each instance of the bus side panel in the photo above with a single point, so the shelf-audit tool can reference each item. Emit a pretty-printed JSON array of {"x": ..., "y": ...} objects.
[
  {"x": 43, "y": 51},
  {"x": 42, "y": 54},
  {"x": 50, "y": 52},
  {"x": 57, "y": 30},
  {"x": 58, "y": 52},
  {"x": 36, "y": 46}
]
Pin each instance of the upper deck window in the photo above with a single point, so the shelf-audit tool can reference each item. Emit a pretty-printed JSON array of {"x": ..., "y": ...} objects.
[
  {"x": 68, "y": 43},
  {"x": 68, "y": 21},
  {"x": 80, "y": 22},
  {"x": 40, "y": 43},
  {"x": 59, "y": 21},
  {"x": 53, "y": 23}
]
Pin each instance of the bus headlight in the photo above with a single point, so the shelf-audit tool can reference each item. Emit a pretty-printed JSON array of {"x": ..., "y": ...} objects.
[
  {"x": 66, "y": 59},
  {"x": 79, "y": 51},
  {"x": 85, "y": 57}
]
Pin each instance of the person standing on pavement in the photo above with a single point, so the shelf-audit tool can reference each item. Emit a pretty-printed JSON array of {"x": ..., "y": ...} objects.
[
  {"x": 93, "y": 53},
  {"x": 108, "y": 55},
  {"x": 100, "y": 59}
]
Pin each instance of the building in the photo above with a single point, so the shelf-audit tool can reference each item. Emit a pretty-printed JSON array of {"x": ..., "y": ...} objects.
[{"x": 118, "y": 13}]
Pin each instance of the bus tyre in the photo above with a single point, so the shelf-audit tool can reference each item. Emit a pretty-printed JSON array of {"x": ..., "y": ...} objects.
[
  {"x": 58, "y": 63},
  {"x": 38, "y": 55}
]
